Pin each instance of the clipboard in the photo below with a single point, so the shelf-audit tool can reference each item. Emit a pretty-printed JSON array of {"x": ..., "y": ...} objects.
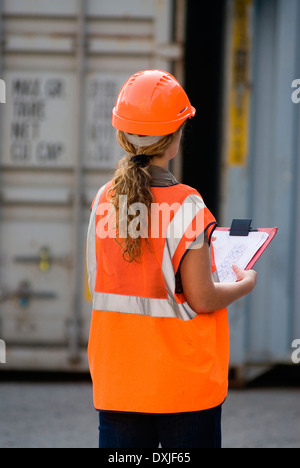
[{"x": 239, "y": 245}]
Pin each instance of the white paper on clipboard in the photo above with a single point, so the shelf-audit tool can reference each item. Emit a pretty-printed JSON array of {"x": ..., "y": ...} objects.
[{"x": 235, "y": 250}]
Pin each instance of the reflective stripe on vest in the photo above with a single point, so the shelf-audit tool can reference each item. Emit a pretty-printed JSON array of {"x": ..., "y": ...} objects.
[
  {"x": 182, "y": 220},
  {"x": 91, "y": 258},
  {"x": 142, "y": 306}
]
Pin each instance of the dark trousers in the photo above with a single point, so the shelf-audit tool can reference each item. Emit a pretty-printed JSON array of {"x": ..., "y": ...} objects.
[{"x": 181, "y": 430}]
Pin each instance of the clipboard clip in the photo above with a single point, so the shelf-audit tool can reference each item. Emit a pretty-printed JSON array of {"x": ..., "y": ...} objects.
[{"x": 241, "y": 227}]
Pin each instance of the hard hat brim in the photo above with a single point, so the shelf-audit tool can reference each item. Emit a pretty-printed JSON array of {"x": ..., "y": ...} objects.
[{"x": 150, "y": 128}]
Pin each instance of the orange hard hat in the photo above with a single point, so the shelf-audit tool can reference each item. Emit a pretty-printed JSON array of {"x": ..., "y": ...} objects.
[{"x": 151, "y": 102}]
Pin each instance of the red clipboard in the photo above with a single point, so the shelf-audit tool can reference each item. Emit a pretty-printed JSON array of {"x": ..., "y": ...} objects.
[{"x": 270, "y": 231}]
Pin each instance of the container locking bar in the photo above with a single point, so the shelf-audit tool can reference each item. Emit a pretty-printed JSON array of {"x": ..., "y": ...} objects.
[{"x": 24, "y": 294}]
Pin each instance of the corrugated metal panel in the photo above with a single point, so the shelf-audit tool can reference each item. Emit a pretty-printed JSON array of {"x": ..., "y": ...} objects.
[
  {"x": 264, "y": 326},
  {"x": 63, "y": 64}
]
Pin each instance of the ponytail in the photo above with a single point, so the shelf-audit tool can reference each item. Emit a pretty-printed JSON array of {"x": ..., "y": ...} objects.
[{"x": 133, "y": 180}]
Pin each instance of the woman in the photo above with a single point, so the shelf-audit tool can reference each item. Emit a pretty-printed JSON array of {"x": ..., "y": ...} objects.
[{"x": 159, "y": 341}]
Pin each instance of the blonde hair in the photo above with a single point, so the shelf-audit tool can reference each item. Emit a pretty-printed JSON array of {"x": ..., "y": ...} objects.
[{"x": 133, "y": 180}]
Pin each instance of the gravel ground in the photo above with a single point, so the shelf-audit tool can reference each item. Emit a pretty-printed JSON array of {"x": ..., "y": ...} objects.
[{"x": 61, "y": 415}]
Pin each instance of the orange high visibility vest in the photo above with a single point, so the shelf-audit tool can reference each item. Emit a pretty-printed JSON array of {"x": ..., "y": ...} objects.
[{"x": 149, "y": 352}]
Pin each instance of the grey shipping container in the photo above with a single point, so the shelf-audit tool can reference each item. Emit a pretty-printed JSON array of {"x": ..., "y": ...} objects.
[
  {"x": 264, "y": 184},
  {"x": 63, "y": 63}
]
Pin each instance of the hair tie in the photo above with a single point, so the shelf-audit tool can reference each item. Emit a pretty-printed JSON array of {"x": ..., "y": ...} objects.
[{"x": 141, "y": 160}]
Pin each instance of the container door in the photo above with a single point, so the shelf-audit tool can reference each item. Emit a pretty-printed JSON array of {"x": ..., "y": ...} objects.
[
  {"x": 63, "y": 64},
  {"x": 260, "y": 178}
]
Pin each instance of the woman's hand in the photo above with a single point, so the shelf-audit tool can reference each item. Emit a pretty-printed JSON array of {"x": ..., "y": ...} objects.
[{"x": 249, "y": 277}]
